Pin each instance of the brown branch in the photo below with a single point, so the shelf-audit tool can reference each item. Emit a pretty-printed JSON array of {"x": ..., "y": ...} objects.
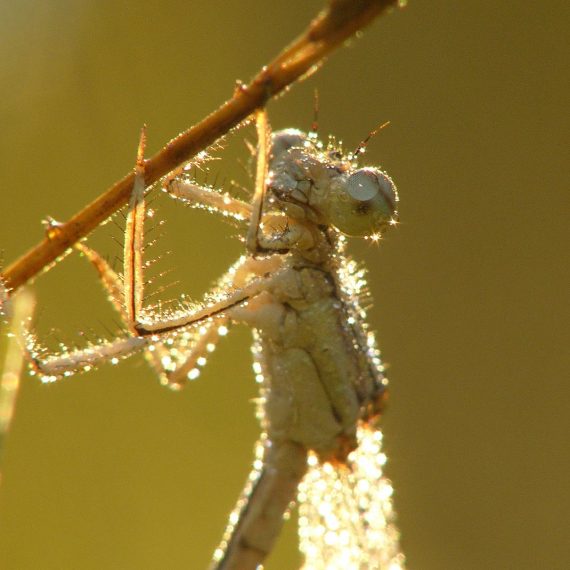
[{"x": 338, "y": 22}]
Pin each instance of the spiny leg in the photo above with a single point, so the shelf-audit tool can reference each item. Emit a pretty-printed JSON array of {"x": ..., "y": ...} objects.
[
  {"x": 199, "y": 196},
  {"x": 111, "y": 282},
  {"x": 263, "y": 145},
  {"x": 53, "y": 367},
  {"x": 134, "y": 241},
  {"x": 175, "y": 363},
  {"x": 193, "y": 317},
  {"x": 175, "y": 358}
]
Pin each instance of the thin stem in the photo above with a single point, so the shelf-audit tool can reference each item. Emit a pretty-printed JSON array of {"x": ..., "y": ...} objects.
[
  {"x": 12, "y": 319},
  {"x": 340, "y": 20}
]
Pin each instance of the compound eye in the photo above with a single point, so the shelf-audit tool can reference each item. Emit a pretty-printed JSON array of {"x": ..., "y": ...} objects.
[
  {"x": 365, "y": 204},
  {"x": 363, "y": 185}
]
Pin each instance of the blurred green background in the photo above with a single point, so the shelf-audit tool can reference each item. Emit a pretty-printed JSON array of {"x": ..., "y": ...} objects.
[{"x": 110, "y": 471}]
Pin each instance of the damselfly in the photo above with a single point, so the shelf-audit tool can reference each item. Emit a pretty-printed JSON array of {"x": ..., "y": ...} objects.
[{"x": 321, "y": 378}]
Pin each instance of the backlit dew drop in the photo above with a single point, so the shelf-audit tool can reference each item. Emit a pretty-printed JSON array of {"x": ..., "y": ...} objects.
[{"x": 193, "y": 374}]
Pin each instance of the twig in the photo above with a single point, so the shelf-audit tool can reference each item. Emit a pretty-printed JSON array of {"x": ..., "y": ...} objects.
[{"x": 335, "y": 24}]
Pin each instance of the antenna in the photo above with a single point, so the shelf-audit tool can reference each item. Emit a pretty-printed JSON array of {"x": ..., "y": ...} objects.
[
  {"x": 313, "y": 133},
  {"x": 362, "y": 145}
]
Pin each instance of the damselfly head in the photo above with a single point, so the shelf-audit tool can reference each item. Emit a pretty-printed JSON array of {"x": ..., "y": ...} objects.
[{"x": 325, "y": 187}]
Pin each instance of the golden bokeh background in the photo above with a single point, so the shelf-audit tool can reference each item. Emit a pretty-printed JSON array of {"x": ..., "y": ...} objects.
[{"x": 110, "y": 471}]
